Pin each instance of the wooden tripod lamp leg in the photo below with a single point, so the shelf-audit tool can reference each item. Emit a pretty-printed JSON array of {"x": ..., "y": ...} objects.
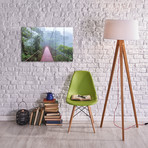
[
  {"x": 110, "y": 81},
  {"x": 129, "y": 82},
  {"x": 73, "y": 110},
  {"x": 122, "y": 54},
  {"x": 91, "y": 117},
  {"x": 121, "y": 79}
]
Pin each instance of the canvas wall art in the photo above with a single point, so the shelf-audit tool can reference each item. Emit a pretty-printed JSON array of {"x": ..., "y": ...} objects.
[{"x": 47, "y": 44}]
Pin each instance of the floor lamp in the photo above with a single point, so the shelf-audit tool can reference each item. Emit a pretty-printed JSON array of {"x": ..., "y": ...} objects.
[{"x": 121, "y": 30}]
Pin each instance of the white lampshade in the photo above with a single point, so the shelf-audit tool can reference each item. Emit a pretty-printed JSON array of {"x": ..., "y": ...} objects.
[{"x": 121, "y": 29}]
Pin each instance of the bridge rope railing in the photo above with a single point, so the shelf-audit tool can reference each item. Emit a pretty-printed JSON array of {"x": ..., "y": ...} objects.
[{"x": 33, "y": 55}]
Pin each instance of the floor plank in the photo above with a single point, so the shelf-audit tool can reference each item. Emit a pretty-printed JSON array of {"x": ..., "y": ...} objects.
[{"x": 81, "y": 135}]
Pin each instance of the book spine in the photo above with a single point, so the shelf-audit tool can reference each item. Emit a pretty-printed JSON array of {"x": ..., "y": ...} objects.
[
  {"x": 54, "y": 122},
  {"x": 31, "y": 118},
  {"x": 42, "y": 117},
  {"x": 36, "y": 115},
  {"x": 52, "y": 117}
]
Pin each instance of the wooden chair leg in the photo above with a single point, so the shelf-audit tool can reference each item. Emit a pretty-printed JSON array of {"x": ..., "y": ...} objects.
[
  {"x": 91, "y": 117},
  {"x": 73, "y": 110}
]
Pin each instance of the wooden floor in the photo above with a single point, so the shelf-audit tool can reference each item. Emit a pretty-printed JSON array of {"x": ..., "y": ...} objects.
[{"x": 80, "y": 136}]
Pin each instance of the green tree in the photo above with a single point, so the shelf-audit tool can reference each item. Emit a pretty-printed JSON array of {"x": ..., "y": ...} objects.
[
  {"x": 31, "y": 39},
  {"x": 65, "y": 53},
  {"x": 36, "y": 42}
]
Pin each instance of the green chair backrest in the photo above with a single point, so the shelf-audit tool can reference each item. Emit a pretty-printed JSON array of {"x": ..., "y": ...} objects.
[{"x": 82, "y": 84}]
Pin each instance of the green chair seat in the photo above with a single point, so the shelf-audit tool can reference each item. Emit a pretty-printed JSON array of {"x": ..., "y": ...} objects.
[{"x": 82, "y": 103}]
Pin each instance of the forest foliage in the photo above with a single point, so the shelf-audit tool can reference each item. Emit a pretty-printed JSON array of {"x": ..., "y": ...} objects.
[
  {"x": 31, "y": 44},
  {"x": 35, "y": 39}
]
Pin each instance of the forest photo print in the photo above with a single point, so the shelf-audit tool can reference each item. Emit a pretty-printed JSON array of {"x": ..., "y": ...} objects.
[{"x": 47, "y": 44}]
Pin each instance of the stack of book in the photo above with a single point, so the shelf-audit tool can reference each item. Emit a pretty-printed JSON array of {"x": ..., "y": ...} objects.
[
  {"x": 52, "y": 114},
  {"x": 37, "y": 116}
]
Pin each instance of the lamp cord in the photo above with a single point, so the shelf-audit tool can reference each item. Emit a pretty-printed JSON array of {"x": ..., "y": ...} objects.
[{"x": 114, "y": 119}]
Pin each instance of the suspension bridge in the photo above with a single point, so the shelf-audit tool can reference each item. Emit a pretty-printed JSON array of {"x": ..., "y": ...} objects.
[{"x": 47, "y": 56}]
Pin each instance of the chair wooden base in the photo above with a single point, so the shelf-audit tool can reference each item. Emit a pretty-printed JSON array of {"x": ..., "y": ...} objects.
[{"x": 90, "y": 115}]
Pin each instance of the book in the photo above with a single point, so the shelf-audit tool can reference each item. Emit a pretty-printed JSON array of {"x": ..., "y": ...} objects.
[
  {"x": 37, "y": 111},
  {"x": 51, "y": 104},
  {"x": 52, "y": 107},
  {"x": 52, "y": 117},
  {"x": 42, "y": 116},
  {"x": 81, "y": 97},
  {"x": 53, "y": 114},
  {"x": 54, "y": 122},
  {"x": 51, "y": 110},
  {"x": 31, "y": 115},
  {"x": 38, "y": 117},
  {"x": 49, "y": 101}
]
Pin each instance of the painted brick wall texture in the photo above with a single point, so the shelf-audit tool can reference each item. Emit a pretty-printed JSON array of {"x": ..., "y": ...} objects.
[{"x": 29, "y": 80}]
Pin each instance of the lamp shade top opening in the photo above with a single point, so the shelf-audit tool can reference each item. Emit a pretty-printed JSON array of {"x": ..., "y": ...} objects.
[{"x": 121, "y": 30}]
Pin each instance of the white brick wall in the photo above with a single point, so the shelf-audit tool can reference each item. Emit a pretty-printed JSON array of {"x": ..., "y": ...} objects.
[{"x": 29, "y": 80}]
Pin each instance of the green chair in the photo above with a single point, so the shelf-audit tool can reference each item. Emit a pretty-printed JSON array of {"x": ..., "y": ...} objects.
[{"x": 82, "y": 84}]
